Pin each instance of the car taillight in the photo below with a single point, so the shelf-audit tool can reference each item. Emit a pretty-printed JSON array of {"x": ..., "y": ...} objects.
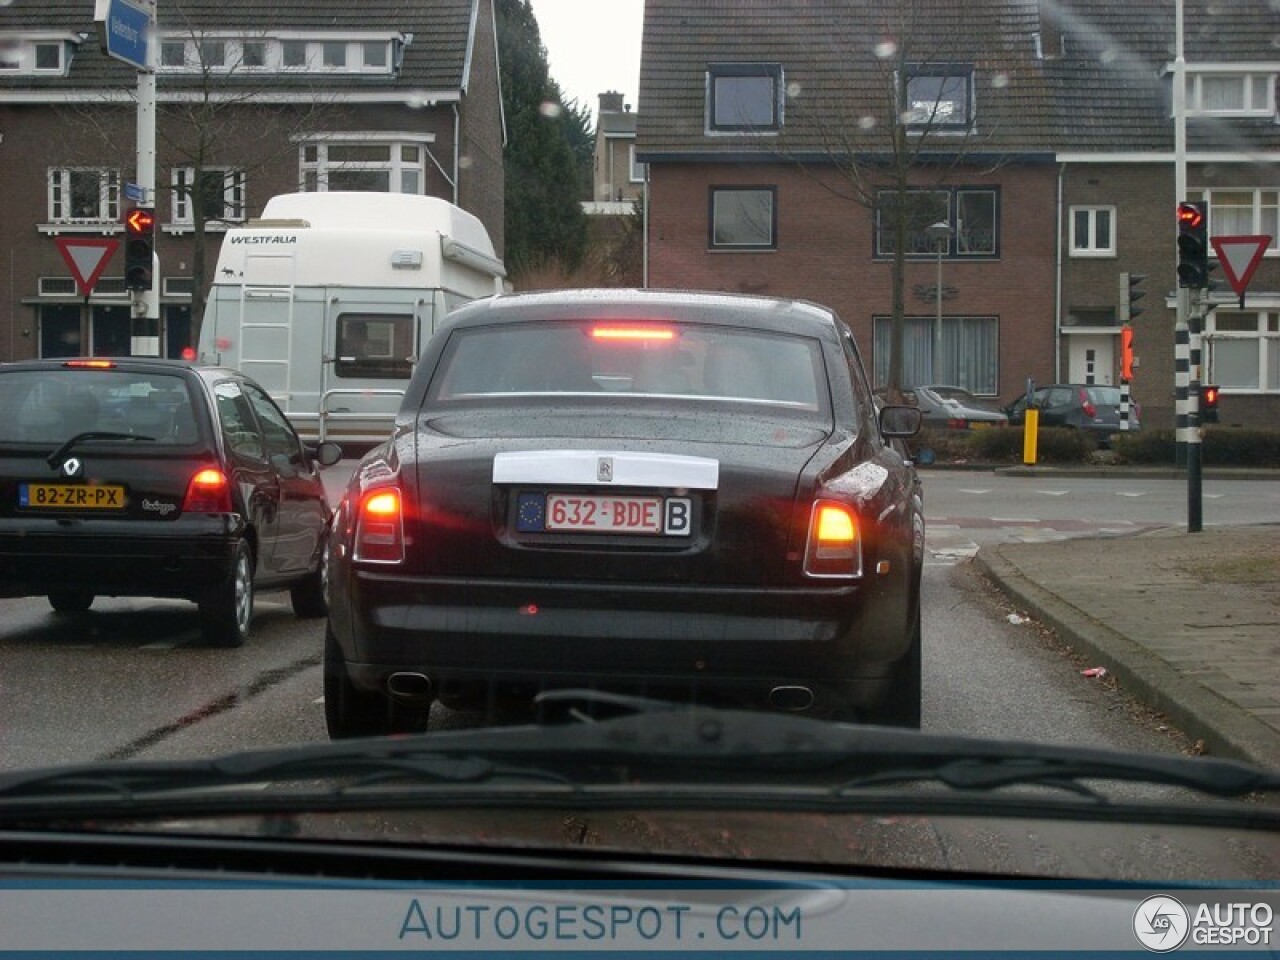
[
  {"x": 835, "y": 542},
  {"x": 957, "y": 423},
  {"x": 1089, "y": 409},
  {"x": 379, "y": 528},
  {"x": 208, "y": 492}
]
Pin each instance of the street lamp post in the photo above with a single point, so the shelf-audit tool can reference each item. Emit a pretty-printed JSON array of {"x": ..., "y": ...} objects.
[{"x": 940, "y": 234}]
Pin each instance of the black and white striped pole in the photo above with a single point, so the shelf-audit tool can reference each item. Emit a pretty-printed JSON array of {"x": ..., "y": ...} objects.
[{"x": 1130, "y": 293}]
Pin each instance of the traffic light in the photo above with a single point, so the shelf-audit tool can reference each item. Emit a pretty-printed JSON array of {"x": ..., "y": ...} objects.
[
  {"x": 1130, "y": 293},
  {"x": 1193, "y": 246},
  {"x": 1209, "y": 403},
  {"x": 1126, "y": 352},
  {"x": 139, "y": 246}
]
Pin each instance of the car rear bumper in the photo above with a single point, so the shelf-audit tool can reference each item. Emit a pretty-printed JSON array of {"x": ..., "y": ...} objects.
[
  {"x": 117, "y": 558},
  {"x": 740, "y": 642}
]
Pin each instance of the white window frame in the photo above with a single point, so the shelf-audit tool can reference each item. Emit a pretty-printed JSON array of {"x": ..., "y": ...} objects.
[
  {"x": 23, "y": 52},
  {"x": 395, "y": 164},
  {"x": 355, "y": 47},
  {"x": 1262, "y": 198},
  {"x": 233, "y": 194},
  {"x": 1195, "y": 93},
  {"x": 637, "y": 169},
  {"x": 59, "y": 184},
  {"x": 1266, "y": 334},
  {"x": 1090, "y": 248}
]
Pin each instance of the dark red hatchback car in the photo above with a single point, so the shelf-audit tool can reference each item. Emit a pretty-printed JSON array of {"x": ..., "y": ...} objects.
[{"x": 156, "y": 478}]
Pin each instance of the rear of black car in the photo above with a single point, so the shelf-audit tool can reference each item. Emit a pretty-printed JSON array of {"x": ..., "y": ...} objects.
[
  {"x": 110, "y": 483},
  {"x": 686, "y": 509}
]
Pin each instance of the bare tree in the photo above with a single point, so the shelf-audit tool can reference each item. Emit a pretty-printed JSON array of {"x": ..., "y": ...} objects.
[
  {"x": 902, "y": 125},
  {"x": 214, "y": 104}
]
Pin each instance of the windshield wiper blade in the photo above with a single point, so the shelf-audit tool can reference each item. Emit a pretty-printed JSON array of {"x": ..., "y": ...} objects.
[
  {"x": 57, "y": 455},
  {"x": 695, "y": 755}
]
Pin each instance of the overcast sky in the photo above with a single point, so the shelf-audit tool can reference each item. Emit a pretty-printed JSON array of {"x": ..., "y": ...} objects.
[{"x": 592, "y": 46}]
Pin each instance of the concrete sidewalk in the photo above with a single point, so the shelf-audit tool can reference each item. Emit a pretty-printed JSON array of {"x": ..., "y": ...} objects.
[{"x": 1188, "y": 623}]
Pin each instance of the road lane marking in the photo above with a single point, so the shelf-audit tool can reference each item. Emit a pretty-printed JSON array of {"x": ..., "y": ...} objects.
[
  {"x": 1131, "y": 493},
  {"x": 1054, "y": 493}
]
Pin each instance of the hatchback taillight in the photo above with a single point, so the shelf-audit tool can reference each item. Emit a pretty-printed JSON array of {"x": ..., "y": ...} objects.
[
  {"x": 1089, "y": 409},
  {"x": 380, "y": 527},
  {"x": 835, "y": 541},
  {"x": 209, "y": 491}
]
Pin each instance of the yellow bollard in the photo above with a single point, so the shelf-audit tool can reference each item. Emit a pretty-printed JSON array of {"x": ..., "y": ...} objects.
[{"x": 1030, "y": 432}]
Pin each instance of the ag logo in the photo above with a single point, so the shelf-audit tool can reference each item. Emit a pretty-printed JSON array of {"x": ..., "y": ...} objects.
[{"x": 1161, "y": 924}]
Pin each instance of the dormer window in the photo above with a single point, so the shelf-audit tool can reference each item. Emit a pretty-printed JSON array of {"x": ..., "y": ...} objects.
[
  {"x": 744, "y": 98},
  {"x": 939, "y": 97},
  {"x": 1234, "y": 93},
  {"x": 366, "y": 53},
  {"x": 33, "y": 55}
]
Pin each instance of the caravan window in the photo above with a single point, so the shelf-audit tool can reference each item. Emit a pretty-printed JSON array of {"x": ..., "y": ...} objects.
[{"x": 374, "y": 346}]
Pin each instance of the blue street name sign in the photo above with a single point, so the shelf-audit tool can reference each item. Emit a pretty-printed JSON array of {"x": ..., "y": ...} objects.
[
  {"x": 126, "y": 30},
  {"x": 134, "y": 192}
]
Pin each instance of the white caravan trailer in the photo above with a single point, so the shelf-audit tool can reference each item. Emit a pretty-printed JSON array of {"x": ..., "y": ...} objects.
[{"x": 328, "y": 299}]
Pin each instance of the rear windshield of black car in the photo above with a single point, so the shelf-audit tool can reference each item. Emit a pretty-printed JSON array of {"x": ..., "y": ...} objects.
[
  {"x": 669, "y": 360},
  {"x": 50, "y": 406}
]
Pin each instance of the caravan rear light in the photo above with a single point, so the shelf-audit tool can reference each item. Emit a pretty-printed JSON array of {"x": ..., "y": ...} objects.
[
  {"x": 380, "y": 527},
  {"x": 835, "y": 541}
]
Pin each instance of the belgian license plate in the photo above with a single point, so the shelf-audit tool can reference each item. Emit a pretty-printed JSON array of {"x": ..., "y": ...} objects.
[
  {"x": 73, "y": 496},
  {"x": 596, "y": 513}
]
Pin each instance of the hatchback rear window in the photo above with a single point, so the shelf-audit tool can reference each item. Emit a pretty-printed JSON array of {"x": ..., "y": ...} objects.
[
  {"x": 50, "y": 406},
  {"x": 640, "y": 359}
]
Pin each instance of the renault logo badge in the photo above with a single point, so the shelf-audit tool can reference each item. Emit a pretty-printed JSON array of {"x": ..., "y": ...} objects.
[
  {"x": 72, "y": 467},
  {"x": 604, "y": 470}
]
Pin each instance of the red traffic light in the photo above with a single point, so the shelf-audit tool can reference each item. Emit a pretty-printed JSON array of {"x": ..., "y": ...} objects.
[
  {"x": 140, "y": 221},
  {"x": 1190, "y": 215}
]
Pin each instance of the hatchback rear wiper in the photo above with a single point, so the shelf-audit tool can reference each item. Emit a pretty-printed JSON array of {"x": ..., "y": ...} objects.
[
  {"x": 687, "y": 757},
  {"x": 57, "y": 455}
]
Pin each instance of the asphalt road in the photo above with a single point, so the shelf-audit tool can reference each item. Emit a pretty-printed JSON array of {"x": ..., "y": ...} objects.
[{"x": 131, "y": 679}]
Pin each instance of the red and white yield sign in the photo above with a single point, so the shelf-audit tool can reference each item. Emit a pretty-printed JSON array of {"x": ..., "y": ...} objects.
[
  {"x": 86, "y": 257},
  {"x": 1239, "y": 257}
]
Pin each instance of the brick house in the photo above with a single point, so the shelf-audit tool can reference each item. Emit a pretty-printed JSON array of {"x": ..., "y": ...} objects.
[
  {"x": 760, "y": 120},
  {"x": 1048, "y": 160},
  {"x": 253, "y": 100},
  {"x": 1116, "y": 162}
]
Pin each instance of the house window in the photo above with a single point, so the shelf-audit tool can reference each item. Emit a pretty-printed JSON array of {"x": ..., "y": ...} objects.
[
  {"x": 218, "y": 193},
  {"x": 84, "y": 195},
  {"x": 253, "y": 53},
  {"x": 744, "y": 97},
  {"x": 1093, "y": 231},
  {"x": 334, "y": 53},
  {"x": 939, "y": 97},
  {"x": 173, "y": 53},
  {"x": 1231, "y": 94},
  {"x": 42, "y": 56},
  {"x": 370, "y": 165},
  {"x": 1249, "y": 212},
  {"x": 213, "y": 53},
  {"x": 375, "y": 54},
  {"x": 1243, "y": 350},
  {"x": 48, "y": 56},
  {"x": 294, "y": 53},
  {"x": 743, "y": 218},
  {"x": 970, "y": 213},
  {"x": 637, "y": 168},
  {"x": 968, "y": 357}
]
